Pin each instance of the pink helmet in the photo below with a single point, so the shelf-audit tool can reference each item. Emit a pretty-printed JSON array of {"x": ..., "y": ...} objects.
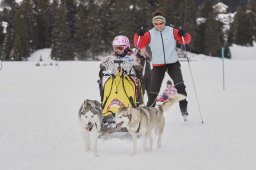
[{"x": 121, "y": 40}]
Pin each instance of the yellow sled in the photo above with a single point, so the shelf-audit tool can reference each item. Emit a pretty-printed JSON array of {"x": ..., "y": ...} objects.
[{"x": 120, "y": 90}]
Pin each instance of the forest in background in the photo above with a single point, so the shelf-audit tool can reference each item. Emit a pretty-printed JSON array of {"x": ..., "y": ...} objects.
[{"x": 84, "y": 29}]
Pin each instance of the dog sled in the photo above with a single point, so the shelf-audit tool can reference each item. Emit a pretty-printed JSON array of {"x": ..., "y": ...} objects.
[{"x": 120, "y": 85}]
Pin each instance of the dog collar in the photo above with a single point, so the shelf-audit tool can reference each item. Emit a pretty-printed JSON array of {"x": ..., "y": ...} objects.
[{"x": 89, "y": 128}]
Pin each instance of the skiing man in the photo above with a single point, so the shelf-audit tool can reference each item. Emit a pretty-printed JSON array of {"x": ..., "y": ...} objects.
[
  {"x": 162, "y": 42},
  {"x": 169, "y": 92}
]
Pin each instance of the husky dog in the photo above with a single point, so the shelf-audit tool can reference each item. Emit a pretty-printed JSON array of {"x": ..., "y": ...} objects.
[
  {"x": 90, "y": 118},
  {"x": 143, "y": 120}
]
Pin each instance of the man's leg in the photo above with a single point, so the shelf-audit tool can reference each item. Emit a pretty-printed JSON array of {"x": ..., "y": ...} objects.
[
  {"x": 147, "y": 76},
  {"x": 157, "y": 76},
  {"x": 174, "y": 72}
]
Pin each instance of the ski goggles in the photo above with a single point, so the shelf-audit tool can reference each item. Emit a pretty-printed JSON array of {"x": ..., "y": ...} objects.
[{"x": 119, "y": 48}]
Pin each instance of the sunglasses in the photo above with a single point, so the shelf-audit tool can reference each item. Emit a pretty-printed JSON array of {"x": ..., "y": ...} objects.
[
  {"x": 161, "y": 23},
  {"x": 120, "y": 48}
]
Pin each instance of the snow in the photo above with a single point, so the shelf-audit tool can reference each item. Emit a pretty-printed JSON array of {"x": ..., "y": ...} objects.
[
  {"x": 220, "y": 7},
  {"x": 226, "y": 19},
  {"x": 45, "y": 54},
  {"x": 200, "y": 20},
  {"x": 39, "y": 127},
  {"x": 243, "y": 53},
  {"x": 4, "y": 25}
]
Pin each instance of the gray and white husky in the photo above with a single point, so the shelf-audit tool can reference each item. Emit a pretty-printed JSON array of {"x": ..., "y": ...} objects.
[
  {"x": 90, "y": 118},
  {"x": 143, "y": 120}
]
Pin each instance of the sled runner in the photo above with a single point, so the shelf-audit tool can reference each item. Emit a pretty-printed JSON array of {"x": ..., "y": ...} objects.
[{"x": 119, "y": 85}]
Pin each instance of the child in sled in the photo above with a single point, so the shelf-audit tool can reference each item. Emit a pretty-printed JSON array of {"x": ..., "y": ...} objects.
[
  {"x": 169, "y": 92},
  {"x": 122, "y": 51},
  {"x": 121, "y": 73}
]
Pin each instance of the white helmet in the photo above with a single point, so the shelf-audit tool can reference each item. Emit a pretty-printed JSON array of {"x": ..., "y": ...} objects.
[{"x": 121, "y": 40}]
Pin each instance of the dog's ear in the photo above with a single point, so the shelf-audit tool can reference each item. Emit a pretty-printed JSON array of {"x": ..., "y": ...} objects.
[
  {"x": 92, "y": 104},
  {"x": 98, "y": 106},
  {"x": 85, "y": 103},
  {"x": 82, "y": 107},
  {"x": 125, "y": 111},
  {"x": 122, "y": 106},
  {"x": 129, "y": 115},
  {"x": 97, "y": 103}
]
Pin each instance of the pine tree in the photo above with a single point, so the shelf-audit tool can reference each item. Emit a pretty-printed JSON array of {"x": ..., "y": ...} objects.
[
  {"x": 231, "y": 33},
  {"x": 95, "y": 30},
  {"x": 1, "y": 39},
  {"x": 53, "y": 8},
  {"x": 20, "y": 47},
  {"x": 9, "y": 37},
  {"x": 252, "y": 17},
  {"x": 141, "y": 15},
  {"x": 181, "y": 14},
  {"x": 61, "y": 46},
  {"x": 199, "y": 46},
  {"x": 29, "y": 23},
  {"x": 172, "y": 11},
  {"x": 109, "y": 24},
  {"x": 71, "y": 11},
  {"x": 5, "y": 15},
  {"x": 55, "y": 44},
  {"x": 206, "y": 9},
  {"x": 8, "y": 2},
  {"x": 81, "y": 35},
  {"x": 212, "y": 41},
  {"x": 189, "y": 21},
  {"x": 244, "y": 29},
  {"x": 42, "y": 26}
]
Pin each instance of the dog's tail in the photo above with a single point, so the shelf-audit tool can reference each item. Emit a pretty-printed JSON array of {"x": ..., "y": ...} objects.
[{"x": 168, "y": 103}]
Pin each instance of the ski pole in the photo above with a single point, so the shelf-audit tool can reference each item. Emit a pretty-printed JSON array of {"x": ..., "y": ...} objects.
[
  {"x": 185, "y": 53},
  {"x": 137, "y": 44}
]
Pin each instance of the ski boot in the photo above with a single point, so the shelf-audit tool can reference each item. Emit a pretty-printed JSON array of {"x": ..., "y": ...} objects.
[{"x": 184, "y": 113}]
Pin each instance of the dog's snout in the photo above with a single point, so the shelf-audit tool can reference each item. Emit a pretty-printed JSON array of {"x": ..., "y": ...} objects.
[{"x": 89, "y": 123}]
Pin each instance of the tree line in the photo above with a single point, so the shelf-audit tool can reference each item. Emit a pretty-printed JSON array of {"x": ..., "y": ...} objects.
[{"x": 82, "y": 30}]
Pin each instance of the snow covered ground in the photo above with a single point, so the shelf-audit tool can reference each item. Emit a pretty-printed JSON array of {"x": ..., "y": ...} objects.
[{"x": 39, "y": 127}]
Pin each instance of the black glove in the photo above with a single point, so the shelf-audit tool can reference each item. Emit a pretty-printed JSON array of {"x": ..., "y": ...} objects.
[
  {"x": 102, "y": 68},
  {"x": 138, "y": 71},
  {"x": 141, "y": 31},
  {"x": 182, "y": 33}
]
